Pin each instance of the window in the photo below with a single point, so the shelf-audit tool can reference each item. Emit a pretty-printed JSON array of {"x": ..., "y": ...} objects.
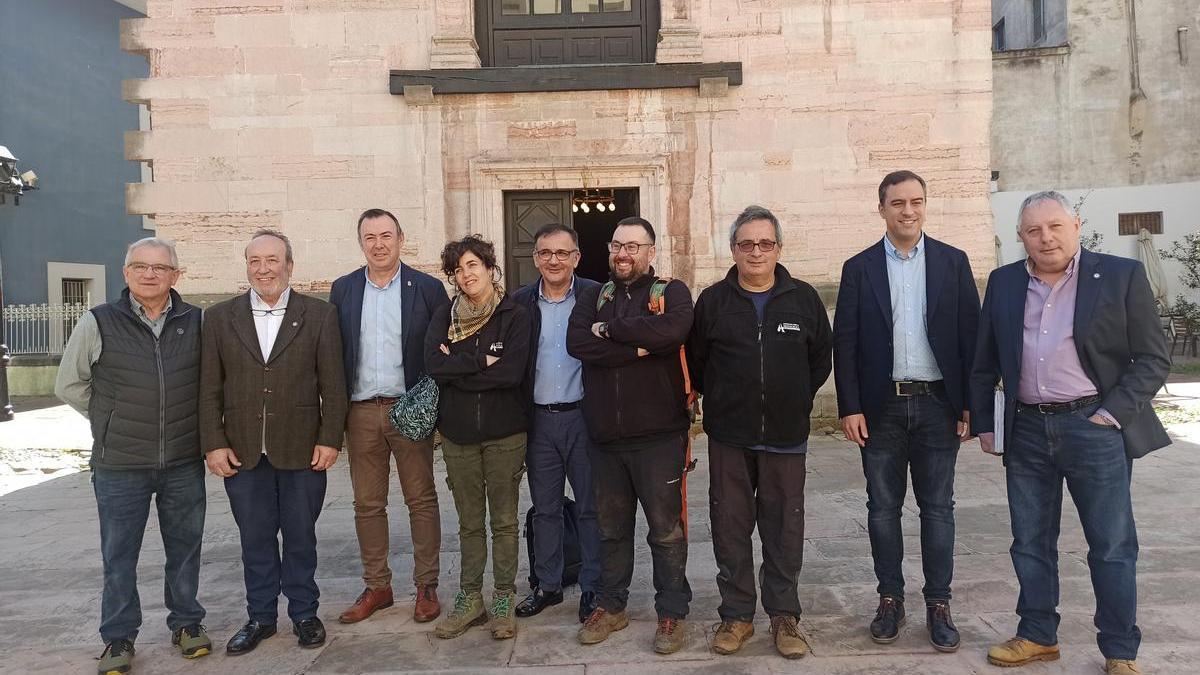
[
  {"x": 998, "y": 36},
  {"x": 75, "y": 292},
  {"x": 1132, "y": 223},
  {"x": 1039, "y": 20},
  {"x": 557, "y": 32}
]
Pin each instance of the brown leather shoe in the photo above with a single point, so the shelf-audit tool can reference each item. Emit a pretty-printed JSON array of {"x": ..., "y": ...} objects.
[
  {"x": 427, "y": 608},
  {"x": 368, "y": 602},
  {"x": 1018, "y": 651}
]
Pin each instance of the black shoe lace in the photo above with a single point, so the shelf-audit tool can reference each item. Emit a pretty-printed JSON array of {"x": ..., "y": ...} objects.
[{"x": 887, "y": 607}]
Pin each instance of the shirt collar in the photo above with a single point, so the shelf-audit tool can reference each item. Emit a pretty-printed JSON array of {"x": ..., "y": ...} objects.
[
  {"x": 388, "y": 284},
  {"x": 257, "y": 302},
  {"x": 894, "y": 252},
  {"x": 141, "y": 309},
  {"x": 570, "y": 292},
  {"x": 1071, "y": 266}
]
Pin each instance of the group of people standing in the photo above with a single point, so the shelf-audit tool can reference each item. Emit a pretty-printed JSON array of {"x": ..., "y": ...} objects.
[{"x": 572, "y": 380}]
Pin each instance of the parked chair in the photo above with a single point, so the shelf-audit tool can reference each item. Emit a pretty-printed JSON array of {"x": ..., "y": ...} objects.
[{"x": 1181, "y": 332}]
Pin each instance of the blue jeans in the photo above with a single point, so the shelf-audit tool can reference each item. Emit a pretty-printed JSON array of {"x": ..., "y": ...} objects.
[
  {"x": 1045, "y": 450},
  {"x": 123, "y": 502},
  {"x": 917, "y": 434},
  {"x": 558, "y": 451}
]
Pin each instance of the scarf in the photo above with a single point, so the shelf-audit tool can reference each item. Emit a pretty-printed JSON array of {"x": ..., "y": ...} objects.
[{"x": 466, "y": 320}]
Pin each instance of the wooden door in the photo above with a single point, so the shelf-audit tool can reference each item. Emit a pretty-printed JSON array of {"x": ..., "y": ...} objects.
[{"x": 524, "y": 213}]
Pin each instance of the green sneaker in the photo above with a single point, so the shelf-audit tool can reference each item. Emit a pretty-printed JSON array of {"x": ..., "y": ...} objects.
[
  {"x": 468, "y": 611},
  {"x": 504, "y": 618},
  {"x": 116, "y": 658},
  {"x": 192, "y": 641}
]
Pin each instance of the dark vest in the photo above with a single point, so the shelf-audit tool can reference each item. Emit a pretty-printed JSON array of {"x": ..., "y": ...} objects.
[{"x": 145, "y": 390}]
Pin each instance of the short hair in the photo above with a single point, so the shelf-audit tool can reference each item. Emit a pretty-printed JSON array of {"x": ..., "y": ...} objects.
[
  {"x": 896, "y": 178},
  {"x": 550, "y": 228},
  {"x": 637, "y": 220},
  {"x": 157, "y": 242},
  {"x": 1043, "y": 196},
  {"x": 750, "y": 214},
  {"x": 268, "y": 232},
  {"x": 378, "y": 213},
  {"x": 472, "y": 243}
]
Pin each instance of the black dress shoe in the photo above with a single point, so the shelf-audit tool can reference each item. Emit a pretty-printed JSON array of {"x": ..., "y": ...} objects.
[
  {"x": 310, "y": 631},
  {"x": 889, "y": 617},
  {"x": 588, "y": 602},
  {"x": 246, "y": 639},
  {"x": 538, "y": 600},
  {"x": 942, "y": 633}
]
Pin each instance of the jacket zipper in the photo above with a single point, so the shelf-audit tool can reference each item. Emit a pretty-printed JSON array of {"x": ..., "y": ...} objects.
[
  {"x": 478, "y": 397},
  {"x": 762, "y": 383},
  {"x": 617, "y": 374},
  {"x": 162, "y": 405}
]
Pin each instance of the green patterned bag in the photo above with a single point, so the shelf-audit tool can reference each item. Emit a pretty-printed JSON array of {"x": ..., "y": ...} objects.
[{"x": 415, "y": 414}]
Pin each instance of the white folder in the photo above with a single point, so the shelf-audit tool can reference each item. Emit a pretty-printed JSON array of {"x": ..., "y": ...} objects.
[{"x": 998, "y": 420}]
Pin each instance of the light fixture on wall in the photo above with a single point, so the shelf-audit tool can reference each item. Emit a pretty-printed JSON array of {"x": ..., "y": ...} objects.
[{"x": 587, "y": 199}]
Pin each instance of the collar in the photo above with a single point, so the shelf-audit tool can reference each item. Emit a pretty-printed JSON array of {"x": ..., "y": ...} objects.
[
  {"x": 367, "y": 276},
  {"x": 570, "y": 292},
  {"x": 894, "y": 253},
  {"x": 140, "y": 309},
  {"x": 257, "y": 302},
  {"x": 1071, "y": 266}
]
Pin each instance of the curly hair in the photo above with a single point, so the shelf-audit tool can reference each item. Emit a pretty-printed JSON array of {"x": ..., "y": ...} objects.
[{"x": 472, "y": 243}]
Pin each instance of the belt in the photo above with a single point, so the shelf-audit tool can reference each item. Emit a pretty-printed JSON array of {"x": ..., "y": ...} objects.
[
  {"x": 1060, "y": 408},
  {"x": 557, "y": 407},
  {"x": 387, "y": 401},
  {"x": 916, "y": 388}
]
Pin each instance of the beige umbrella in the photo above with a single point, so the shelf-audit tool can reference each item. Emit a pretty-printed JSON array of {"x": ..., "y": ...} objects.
[
  {"x": 1154, "y": 269},
  {"x": 998, "y": 256}
]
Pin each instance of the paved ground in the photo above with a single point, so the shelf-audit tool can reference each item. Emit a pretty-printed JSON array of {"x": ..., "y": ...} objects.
[{"x": 50, "y": 583}]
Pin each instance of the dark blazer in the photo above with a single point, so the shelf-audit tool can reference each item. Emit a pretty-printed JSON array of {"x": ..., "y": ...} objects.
[
  {"x": 300, "y": 389},
  {"x": 862, "y": 327},
  {"x": 421, "y": 296},
  {"x": 1117, "y": 336},
  {"x": 527, "y": 296}
]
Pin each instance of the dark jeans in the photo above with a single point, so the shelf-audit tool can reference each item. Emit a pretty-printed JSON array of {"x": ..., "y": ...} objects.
[
  {"x": 917, "y": 434},
  {"x": 266, "y": 502},
  {"x": 123, "y": 503},
  {"x": 1045, "y": 450},
  {"x": 653, "y": 476},
  {"x": 558, "y": 451},
  {"x": 748, "y": 488}
]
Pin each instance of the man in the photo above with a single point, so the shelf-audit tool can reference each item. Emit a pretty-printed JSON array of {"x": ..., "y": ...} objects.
[
  {"x": 143, "y": 350},
  {"x": 1075, "y": 337},
  {"x": 558, "y": 443},
  {"x": 904, "y": 335},
  {"x": 760, "y": 349},
  {"x": 272, "y": 412},
  {"x": 636, "y": 414},
  {"x": 384, "y": 309}
]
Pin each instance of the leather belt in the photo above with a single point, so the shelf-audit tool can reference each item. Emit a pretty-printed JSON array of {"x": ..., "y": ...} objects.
[
  {"x": 1060, "y": 408},
  {"x": 386, "y": 401},
  {"x": 918, "y": 388},
  {"x": 558, "y": 407}
]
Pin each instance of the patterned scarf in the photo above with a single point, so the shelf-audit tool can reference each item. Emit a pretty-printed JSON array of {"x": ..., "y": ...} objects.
[{"x": 466, "y": 320}]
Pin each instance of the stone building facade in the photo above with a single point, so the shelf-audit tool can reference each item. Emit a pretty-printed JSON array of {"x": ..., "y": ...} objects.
[{"x": 280, "y": 113}]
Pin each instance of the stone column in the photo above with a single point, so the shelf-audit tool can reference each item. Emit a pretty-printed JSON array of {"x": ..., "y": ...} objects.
[
  {"x": 679, "y": 35},
  {"x": 453, "y": 43}
]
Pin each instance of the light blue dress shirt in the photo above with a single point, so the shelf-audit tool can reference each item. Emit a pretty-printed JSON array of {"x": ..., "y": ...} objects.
[
  {"x": 380, "y": 349},
  {"x": 558, "y": 376},
  {"x": 912, "y": 358}
]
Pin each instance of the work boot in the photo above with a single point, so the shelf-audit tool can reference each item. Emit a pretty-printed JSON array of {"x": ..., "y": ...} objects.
[
  {"x": 600, "y": 624},
  {"x": 788, "y": 641},
  {"x": 731, "y": 635},
  {"x": 1121, "y": 667},
  {"x": 942, "y": 633},
  {"x": 889, "y": 617},
  {"x": 468, "y": 611},
  {"x": 1018, "y": 651},
  {"x": 670, "y": 636},
  {"x": 116, "y": 658},
  {"x": 192, "y": 641},
  {"x": 368, "y": 602},
  {"x": 427, "y": 608},
  {"x": 504, "y": 618}
]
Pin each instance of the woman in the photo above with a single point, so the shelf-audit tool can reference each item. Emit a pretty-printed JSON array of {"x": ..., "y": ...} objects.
[{"x": 477, "y": 349}]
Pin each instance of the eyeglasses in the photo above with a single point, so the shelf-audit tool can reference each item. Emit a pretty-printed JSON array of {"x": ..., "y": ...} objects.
[
  {"x": 559, "y": 254},
  {"x": 142, "y": 268},
  {"x": 278, "y": 311},
  {"x": 764, "y": 245},
  {"x": 631, "y": 247}
]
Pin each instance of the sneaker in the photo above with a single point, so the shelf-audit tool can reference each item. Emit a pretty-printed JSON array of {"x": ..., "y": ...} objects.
[
  {"x": 1018, "y": 651},
  {"x": 789, "y": 642},
  {"x": 468, "y": 611},
  {"x": 670, "y": 636},
  {"x": 600, "y": 624},
  {"x": 731, "y": 635},
  {"x": 504, "y": 619},
  {"x": 116, "y": 658},
  {"x": 192, "y": 641},
  {"x": 1121, "y": 667},
  {"x": 889, "y": 617}
]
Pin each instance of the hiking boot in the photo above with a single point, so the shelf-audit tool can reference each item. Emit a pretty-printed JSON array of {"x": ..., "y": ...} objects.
[
  {"x": 504, "y": 618},
  {"x": 943, "y": 635},
  {"x": 116, "y": 658},
  {"x": 600, "y": 624},
  {"x": 427, "y": 608},
  {"x": 192, "y": 641},
  {"x": 468, "y": 611},
  {"x": 369, "y": 601},
  {"x": 731, "y": 635},
  {"x": 670, "y": 636},
  {"x": 1018, "y": 651},
  {"x": 1121, "y": 667},
  {"x": 788, "y": 641},
  {"x": 889, "y": 617}
]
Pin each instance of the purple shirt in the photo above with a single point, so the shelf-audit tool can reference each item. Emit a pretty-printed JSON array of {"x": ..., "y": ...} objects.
[{"x": 1050, "y": 367}]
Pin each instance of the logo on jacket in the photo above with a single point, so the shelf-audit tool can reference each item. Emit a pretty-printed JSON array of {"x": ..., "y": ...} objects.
[
  {"x": 785, "y": 327},
  {"x": 496, "y": 347}
]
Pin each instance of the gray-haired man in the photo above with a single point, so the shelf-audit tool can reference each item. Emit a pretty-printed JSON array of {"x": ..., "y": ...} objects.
[{"x": 143, "y": 349}]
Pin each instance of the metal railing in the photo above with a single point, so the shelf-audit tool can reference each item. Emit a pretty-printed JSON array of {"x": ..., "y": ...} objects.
[{"x": 40, "y": 329}]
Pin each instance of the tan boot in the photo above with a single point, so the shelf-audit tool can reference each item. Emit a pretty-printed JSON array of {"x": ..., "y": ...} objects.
[
  {"x": 788, "y": 641},
  {"x": 600, "y": 624},
  {"x": 468, "y": 611},
  {"x": 1122, "y": 667},
  {"x": 1019, "y": 651},
  {"x": 731, "y": 635},
  {"x": 504, "y": 618},
  {"x": 670, "y": 636}
]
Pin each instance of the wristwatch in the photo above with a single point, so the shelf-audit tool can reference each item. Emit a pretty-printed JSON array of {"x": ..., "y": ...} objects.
[{"x": 603, "y": 330}]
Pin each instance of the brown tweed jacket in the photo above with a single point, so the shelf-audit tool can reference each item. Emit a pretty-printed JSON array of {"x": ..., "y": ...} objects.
[{"x": 301, "y": 389}]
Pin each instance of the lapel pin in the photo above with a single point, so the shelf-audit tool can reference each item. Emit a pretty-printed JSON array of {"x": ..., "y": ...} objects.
[
  {"x": 408, "y": 284},
  {"x": 295, "y": 323},
  {"x": 1096, "y": 275}
]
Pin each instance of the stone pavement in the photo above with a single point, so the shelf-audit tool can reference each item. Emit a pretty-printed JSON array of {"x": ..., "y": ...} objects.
[{"x": 50, "y": 586}]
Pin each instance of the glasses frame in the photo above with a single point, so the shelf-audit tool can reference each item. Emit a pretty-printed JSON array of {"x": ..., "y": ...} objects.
[
  {"x": 561, "y": 255},
  {"x": 764, "y": 245},
  {"x": 616, "y": 246},
  {"x": 159, "y": 269}
]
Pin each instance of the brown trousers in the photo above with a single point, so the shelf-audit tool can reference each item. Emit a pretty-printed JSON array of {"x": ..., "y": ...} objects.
[{"x": 372, "y": 443}]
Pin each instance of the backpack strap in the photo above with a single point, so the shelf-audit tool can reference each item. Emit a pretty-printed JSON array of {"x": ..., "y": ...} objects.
[{"x": 607, "y": 292}]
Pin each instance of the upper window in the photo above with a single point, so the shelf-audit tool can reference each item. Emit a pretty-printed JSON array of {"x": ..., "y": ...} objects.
[
  {"x": 1132, "y": 223},
  {"x": 1039, "y": 20},
  {"x": 998, "y": 42},
  {"x": 557, "y": 32}
]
